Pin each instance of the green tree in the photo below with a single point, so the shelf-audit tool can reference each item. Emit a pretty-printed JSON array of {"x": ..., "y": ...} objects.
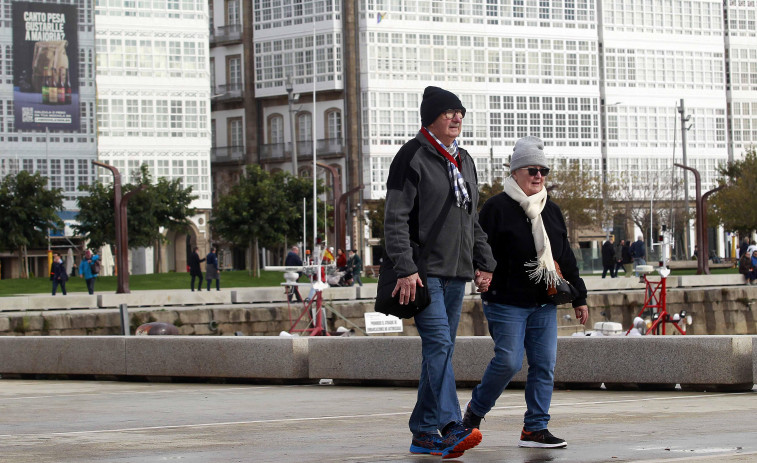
[
  {"x": 635, "y": 192},
  {"x": 165, "y": 203},
  {"x": 263, "y": 209},
  {"x": 579, "y": 195},
  {"x": 487, "y": 191},
  {"x": 735, "y": 206},
  {"x": 27, "y": 210}
]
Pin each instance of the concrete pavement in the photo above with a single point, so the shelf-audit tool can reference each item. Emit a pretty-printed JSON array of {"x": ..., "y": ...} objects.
[{"x": 107, "y": 421}]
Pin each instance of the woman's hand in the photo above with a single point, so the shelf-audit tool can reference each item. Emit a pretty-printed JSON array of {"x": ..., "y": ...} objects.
[
  {"x": 582, "y": 314},
  {"x": 482, "y": 281}
]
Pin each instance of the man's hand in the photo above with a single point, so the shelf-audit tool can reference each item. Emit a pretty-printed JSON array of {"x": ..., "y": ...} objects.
[
  {"x": 483, "y": 280},
  {"x": 406, "y": 287}
]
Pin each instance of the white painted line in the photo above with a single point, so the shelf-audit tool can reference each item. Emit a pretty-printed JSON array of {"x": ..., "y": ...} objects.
[
  {"x": 336, "y": 417},
  {"x": 129, "y": 392},
  {"x": 646, "y": 399},
  {"x": 199, "y": 425}
]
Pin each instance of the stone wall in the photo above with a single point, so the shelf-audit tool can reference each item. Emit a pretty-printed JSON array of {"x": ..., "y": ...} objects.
[{"x": 715, "y": 310}]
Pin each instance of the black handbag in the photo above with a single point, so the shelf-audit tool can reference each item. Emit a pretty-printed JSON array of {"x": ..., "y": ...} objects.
[
  {"x": 564, "y": 292},
  {"x": 387, "y": 281}
]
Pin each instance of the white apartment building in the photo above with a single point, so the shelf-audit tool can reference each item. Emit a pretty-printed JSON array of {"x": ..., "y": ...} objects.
[
  {"x": 61, "y": 152},
  {"x": 600, "y": 82},
  {"x": 64, "y": 156},
  {"x": 741, "y": 64},
  {"x": 153, "y": 104}
]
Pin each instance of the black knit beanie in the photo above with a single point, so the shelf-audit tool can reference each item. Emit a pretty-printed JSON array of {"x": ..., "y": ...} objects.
[{"x": 435, "y": 101}]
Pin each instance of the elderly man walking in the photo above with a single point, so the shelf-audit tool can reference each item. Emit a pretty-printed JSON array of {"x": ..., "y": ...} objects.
[{"x": 429, "y": 172}]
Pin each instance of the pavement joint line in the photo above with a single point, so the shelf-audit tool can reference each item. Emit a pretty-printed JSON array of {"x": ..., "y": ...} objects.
[
  {"x": 702, "y": 458},
  {"x": 162, "y": 391},
  {"x": 647, "y": 399},
  {"x": 335, "y": 417}
]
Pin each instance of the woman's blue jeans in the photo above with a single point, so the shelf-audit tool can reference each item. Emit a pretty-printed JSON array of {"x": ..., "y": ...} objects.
[
  {"x": 437, "y": 403},
  {"x": 515, "y": 329}
]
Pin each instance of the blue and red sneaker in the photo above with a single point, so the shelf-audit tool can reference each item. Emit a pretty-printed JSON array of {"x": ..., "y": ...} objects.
[
  {"x": 430, "y": 444},
  {"x": 458, "y": 439}
]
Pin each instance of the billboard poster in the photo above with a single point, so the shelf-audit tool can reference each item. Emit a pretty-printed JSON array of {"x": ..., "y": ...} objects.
[{"x": 45, "y": 66}]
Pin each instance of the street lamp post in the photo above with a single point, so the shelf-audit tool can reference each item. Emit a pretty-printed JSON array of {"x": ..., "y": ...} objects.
[
  {"x": 684, "y": 120},
  {"x": 701, "y": 230},
  {"x": 604, "y": 139},
  {"x": 290, "y": 90}
]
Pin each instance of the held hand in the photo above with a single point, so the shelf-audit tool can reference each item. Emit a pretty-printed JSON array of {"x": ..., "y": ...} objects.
[
  {"x": 582, "y": 314},
  {"x": 483, "y": 280},
  {"x": 406, "y": 288}
]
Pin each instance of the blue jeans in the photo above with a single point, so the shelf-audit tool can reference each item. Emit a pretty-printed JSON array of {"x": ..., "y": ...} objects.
[
  {"x": 513, "y": 330},
  {"x": 437, "y": 403}
]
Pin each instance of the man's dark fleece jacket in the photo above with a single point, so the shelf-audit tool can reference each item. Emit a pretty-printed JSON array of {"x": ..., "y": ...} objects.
[
  {"x": 509, "y": 232},
  {"x": 417, "y": 187}
]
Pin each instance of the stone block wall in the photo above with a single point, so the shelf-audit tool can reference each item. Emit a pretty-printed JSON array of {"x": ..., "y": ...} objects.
[{"x": 715, "y": 310}]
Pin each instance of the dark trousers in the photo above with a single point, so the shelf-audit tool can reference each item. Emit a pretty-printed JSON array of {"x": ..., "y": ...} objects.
[
  {"x": 62, "y": 284},
  {"x": 619, "y": 265},
  {"x": 218, "y": 284},
  {"x": 90, "y": 285},
  {"x": 606, "y": 268},
  {"x": 199, "y": 282},
  {"x": 292, "y": 291}
]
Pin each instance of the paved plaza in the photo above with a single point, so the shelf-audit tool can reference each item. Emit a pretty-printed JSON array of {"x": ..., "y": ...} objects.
[{"x": 108, "y": 421}]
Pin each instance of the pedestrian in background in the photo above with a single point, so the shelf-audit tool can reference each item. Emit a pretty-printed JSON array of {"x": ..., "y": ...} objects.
[
  {"x": 58, "y": 274},
  {"x": 608, "y": 257},
  {"x": 87, "y": 272},
  {"x": 211, "y": 269},
  {"x": 429, "y": 172},
  {"x": 748, "y": 264},
  {"x": 355, "y": 266},
  {"x": 743, "y": 247},
  {"x": 341, "y": 260},
  {"x": 293, "y": 260},
  {"x": 619, "y": 256},
  {"x": 194, "y": 269},
  {"x": 638, "y": 253},
  {"x": 627, "y": 259}
]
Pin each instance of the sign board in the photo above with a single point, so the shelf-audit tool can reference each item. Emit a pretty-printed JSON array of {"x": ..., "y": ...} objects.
[
  {"x": 45, "y": 66},
  {"x": 376, "y": 322}
]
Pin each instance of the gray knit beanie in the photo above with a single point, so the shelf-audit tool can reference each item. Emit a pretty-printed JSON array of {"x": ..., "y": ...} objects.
[
  {"x": 528, "y": 151},
  {"x": 435, "y": 101}
]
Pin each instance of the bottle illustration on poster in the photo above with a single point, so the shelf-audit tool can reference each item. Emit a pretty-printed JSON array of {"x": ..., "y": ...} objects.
[{"x": 45, "y": 66}]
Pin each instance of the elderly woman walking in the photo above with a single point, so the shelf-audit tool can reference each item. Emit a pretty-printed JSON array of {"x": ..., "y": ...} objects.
[{"x": 529, "y": 240}]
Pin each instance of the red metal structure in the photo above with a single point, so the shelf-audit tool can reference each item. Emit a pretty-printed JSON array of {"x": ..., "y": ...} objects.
[
  {"x": 655, "y": 303},
  {"x": 315, "y": 316}
]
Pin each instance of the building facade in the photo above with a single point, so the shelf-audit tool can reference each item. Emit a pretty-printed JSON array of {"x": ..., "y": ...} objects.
[
  {"x": 153, "y": 107},
  {"x": 141, "y": 95},
  {"x": 601, "y": 82},
  {"x": 56, "y": 149}
]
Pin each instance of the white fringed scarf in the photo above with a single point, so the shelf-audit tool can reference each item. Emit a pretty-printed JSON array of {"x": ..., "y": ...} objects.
[{"x": 543, "y": 267}]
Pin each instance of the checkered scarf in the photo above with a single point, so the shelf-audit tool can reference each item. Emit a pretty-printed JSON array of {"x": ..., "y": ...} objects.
[{"x": 456, "y": 180}]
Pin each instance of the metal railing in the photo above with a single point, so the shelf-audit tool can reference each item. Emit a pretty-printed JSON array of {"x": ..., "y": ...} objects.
[
  {"x": 228, "y": 33},
  {"x": 228, "y": 91},
  {"x": 283, "y": 151},
  {"x": 227, "y": 153}
]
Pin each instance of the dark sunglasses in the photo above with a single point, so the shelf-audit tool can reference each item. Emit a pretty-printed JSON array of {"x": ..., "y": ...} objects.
[{"x": 532, "y": 171}]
